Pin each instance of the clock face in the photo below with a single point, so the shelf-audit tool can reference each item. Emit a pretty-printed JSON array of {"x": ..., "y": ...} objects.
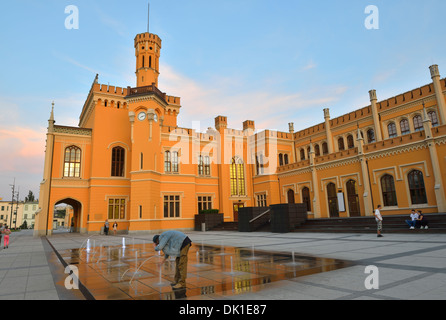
[{"x": 141, "y": 116}]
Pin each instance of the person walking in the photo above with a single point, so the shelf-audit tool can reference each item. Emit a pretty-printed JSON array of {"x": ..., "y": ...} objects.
[
  {"x": 379, "y": 220},
  {"x": 115, "y": 228},
  {"x": 176, "y": 244},
  {"x": 6, "y": 232}
]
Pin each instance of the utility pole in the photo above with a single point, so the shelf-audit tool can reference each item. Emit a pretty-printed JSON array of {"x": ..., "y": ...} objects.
[
  {"x": 17, "y": 209},
  {"x": 12, "y": 204}
]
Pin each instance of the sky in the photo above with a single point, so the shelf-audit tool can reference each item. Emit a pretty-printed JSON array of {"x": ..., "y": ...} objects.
[{"x": 273, "y": 62}]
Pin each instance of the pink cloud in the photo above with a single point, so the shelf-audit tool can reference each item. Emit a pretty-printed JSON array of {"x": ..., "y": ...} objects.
[{"x": 23, "y": 149}]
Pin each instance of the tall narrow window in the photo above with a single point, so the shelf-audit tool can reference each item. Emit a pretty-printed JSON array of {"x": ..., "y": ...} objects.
[
  {"x": 175, "y": 162},
  {"x": 341, "y": 146},
  {"x": 302, "y": 154},
  {"x": 200, "y": 165},
  {"x": 371, "y": 136},
  {"x": 237, "y": 177},
  {"x": 143, "y": 61},
  {"x": 317, "y": 150},
  {"x": 433, "y": 117},
  {"x": 391, "y": 128},
  {"x": 72, "y": 162},
  {"x": 350, "y": 142},
  {"x": 141, "y": 161},
  {"x": 150, "y": 61},
  {"x": 280, "y": 159},
  {"x": 285, "y": 159},
  {"x": 416, "y": 186},
  {"x": 325, "y": 148},
  {"x": 118, "y": 157},
  {"x": 207, "y": 166},
  {"x": 418, "y": 123},
  {"x": 388, "y": 191},
  {"x": 404, "y": 125},
  {"x": 167, "y": 162},
  {"x": 259, "y": 164}
]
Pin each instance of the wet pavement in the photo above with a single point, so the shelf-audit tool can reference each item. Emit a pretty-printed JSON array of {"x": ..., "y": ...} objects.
[{"x": 117, "y": 272}]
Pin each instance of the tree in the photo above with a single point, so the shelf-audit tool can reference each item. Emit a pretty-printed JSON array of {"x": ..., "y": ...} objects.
[{"x": 30, "y": 197}]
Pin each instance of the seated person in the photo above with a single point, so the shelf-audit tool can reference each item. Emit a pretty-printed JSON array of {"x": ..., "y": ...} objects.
[
  {"x": 413, "y": 219},
  {"x": 421, "y": 222}
]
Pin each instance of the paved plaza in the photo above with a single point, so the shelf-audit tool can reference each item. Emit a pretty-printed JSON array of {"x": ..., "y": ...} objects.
[{"x": 410, "y": 266}]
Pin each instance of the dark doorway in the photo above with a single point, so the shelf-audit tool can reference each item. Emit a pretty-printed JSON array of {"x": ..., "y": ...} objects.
[
  {"x": 290, "y": 196},
  {"x": 353, "y": 199},
  {"x": 332, "y": 200},
  {"x": 237, "y": 206},
  {"x": 306, "y": 198}
]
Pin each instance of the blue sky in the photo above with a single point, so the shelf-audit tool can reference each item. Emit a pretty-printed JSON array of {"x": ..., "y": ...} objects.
[{"x": 273, "y": 62}]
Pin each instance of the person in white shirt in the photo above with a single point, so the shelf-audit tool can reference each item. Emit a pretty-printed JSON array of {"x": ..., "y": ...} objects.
[
  {"x": 413, "y": 219},
  {"x": 379, "y": 220}
]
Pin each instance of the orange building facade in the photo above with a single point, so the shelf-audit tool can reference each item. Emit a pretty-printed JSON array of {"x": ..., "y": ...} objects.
[{"x": 129, "y": 162}]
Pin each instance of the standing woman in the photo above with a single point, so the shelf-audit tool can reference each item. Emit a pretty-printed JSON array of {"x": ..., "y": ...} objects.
[
  {"x": 1, "y": 232},
  {"x": 115, "y": 228},
  {"x": 6, "y": 233}
]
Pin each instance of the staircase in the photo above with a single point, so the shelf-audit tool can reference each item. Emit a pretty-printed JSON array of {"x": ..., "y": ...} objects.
[{"x": 391, "y": 224}]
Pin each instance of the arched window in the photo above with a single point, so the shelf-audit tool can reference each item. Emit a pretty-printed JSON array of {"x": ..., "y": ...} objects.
[
  {"x": 306, "y": 198},
  {"x": 200, "y": 165},
  {"x": 317, "y": 150},
  {"x": 341, "y": 146},
  {"x": 302, "y": 154},
  {"x": 371, "y": 136},
  {"x": 388, "y": 191},
  {"x": 207, "y": 166},
  {"x": 325, "y": 148},
  {"x": 150, "y": 61},
  {"x": 391, "y": 129},
  {"x": 72, "y": 162},
  {"x": 280, "y": 159},
  {"x": 143, "y": 61},
  {"x": 175, "y": 162},
  {"x": 416, "y": 186},
  {"x": 418, "y": 123},
  {"x": 404, "y": 125},
  {"x": 433, "y": 117},
  {"x": 285, "y": 159},
  {"x": 308, "y": 152},
  {"x": 167, "y": 162},
  {"x": 237, "y": 176},
  {"x": 118, "y": 160},
  {"x": 350, "y": 142}
]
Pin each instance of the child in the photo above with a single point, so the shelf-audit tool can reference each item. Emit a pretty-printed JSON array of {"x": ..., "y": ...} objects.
[{"x": 6, "y": 232}]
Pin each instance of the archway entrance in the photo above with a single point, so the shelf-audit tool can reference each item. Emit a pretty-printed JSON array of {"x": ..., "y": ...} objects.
[{"x": 67, "y": 215}]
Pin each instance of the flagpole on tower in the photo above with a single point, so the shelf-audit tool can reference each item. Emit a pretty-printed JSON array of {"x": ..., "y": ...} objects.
[{"x": 148, "y": 17}]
